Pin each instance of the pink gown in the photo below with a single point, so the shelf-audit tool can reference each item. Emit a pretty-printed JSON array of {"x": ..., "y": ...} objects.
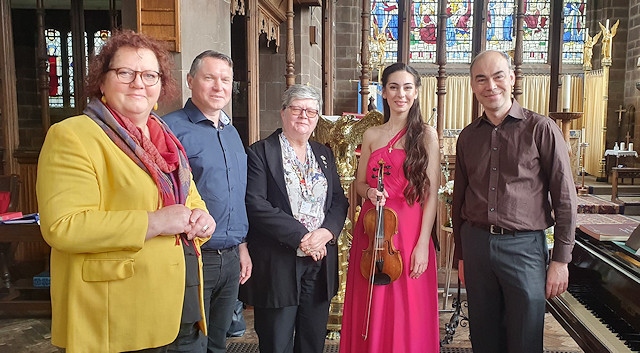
[{"x": 404, "y": 313}]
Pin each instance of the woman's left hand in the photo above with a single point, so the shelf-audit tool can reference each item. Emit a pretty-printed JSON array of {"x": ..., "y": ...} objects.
[
  {"x": 315, "y": 240},
  {"x": 419, "y": 260},
  {"x": 201, "y": 224}
]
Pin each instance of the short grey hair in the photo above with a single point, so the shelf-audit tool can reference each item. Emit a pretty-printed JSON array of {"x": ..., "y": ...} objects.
[
  {"x": 197, "y": 62},
  {"x": 298, "y": 91},
  {"x": 504, "y": 55}
]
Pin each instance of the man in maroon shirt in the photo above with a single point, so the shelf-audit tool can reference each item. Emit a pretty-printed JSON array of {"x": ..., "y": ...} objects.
[{"x": 512, "y": 181}]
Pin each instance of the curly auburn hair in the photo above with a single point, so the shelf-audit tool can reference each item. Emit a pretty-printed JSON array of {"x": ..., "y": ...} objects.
[
  {"x": 99, "y": 64},
  {"x": 415, "y": 164}
]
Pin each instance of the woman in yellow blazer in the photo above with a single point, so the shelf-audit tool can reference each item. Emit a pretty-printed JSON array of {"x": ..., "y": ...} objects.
[{"x": 121, "y": 213}]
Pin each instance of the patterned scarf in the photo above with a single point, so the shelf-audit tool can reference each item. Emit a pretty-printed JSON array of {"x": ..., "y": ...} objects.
[{"x": 169, "y": 170}]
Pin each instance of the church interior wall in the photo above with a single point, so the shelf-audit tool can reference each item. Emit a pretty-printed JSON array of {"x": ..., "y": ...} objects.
[
  {"x": 308, "y": 55},
  {"x": 348, "y": 23},
  {"x": 272, "y": 82}
]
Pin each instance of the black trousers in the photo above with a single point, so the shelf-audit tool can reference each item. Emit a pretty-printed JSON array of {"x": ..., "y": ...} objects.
[
  {"x": 505, "y": 277},
  {"x": 301, "y": 328}
]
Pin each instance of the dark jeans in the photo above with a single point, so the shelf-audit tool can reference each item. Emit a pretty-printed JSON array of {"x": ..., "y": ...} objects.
[
  {"x": 505, "y": 277},
  {"x": 221, "y": 283}
]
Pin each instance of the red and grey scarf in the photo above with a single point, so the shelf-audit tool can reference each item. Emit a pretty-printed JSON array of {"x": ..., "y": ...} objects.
[{"x": 162, "y": 156}]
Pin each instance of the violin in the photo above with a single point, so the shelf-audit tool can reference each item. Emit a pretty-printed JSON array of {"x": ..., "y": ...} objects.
[{"x": 381, "y": 262}]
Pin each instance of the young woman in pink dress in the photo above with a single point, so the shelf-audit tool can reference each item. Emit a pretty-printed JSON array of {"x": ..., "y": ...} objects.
[{"x": 404, "y": 313}]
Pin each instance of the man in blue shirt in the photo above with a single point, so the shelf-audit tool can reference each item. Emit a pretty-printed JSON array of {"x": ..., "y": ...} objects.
[{"x": 219, "y": 165}]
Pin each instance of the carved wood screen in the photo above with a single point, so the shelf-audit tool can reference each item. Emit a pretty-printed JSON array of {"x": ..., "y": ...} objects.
[{"x": 160, "y": 19}]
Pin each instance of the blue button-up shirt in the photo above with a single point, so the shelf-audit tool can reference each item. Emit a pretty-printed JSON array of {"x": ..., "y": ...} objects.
[{"x": 219, "y": 165}]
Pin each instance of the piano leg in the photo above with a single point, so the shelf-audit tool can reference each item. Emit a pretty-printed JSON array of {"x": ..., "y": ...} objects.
[{"x": 458, "y": 318}]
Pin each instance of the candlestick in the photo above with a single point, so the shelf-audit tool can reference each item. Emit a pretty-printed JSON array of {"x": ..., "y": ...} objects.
[{"x": 566, "y": 93}]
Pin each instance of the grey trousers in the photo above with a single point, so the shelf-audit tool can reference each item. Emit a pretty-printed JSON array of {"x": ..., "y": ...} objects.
[{"x": 505, "y": 278}]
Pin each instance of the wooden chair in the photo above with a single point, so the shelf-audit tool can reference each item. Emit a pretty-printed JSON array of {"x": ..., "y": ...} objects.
[{"x": 9, "y": 186}]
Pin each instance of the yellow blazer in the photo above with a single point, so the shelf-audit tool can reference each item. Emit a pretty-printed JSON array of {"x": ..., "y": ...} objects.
[{"x": 111, "y": 291}]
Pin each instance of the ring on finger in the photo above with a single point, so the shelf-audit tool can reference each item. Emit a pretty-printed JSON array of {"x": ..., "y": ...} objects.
[{"x": 206, "y": 226}]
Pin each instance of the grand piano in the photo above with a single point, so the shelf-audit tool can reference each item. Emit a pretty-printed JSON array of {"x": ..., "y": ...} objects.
[{"x": 601, "y": 308}]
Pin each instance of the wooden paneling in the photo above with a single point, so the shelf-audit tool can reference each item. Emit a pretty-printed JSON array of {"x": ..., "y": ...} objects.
[{"x": 160, "y": 19}]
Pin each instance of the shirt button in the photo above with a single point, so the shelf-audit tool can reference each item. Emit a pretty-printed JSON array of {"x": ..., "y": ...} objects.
[
  {"x": 492, "y": 209},
  {"x": 495, "y": 148},
  {"x": 495, "y": 129},
  {"x": 493, "y": 189},
  {"x": 494, "y": 169}
]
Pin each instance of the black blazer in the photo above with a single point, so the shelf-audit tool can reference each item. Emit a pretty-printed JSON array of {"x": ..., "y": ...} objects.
[{"x": 274, "y": 235}]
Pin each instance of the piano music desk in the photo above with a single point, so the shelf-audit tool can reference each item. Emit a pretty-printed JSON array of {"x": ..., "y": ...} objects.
[{"x": 22, "y": 298}]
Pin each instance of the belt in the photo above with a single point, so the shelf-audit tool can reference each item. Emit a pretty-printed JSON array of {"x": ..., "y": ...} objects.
[
  {"x": 493, "y": 229},
  {"x": 221, "y": 251}
]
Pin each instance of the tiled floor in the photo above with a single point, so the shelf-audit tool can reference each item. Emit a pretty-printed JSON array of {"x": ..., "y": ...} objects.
[{"x": 32, "y": 335}]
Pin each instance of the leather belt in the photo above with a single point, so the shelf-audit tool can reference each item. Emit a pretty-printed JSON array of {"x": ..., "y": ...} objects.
[
  {"x": 493, "y": 229},
  {"x": 221, "y": 251}
]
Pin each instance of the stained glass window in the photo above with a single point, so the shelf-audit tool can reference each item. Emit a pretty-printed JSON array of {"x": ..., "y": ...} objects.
[
  {"x": 384, "y": 32},
  {"x": 424, "y": 18},
  {"x": 458, "y": 34},
  {"x": 536, "y": 31},
  {"x": 54, "y": 67},
  {"x": 72, "y": 101},
  {"x": 99, "y": 40},
  {"x": 500, "y": 35},
  {"x": 500, "y": 25},
  {"x": 573, "y": 33},
  {"x": 424, "y": 21}
]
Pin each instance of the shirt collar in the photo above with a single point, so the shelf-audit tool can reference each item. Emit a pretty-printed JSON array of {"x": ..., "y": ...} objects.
[
  {"x": 196, "y": 116},
  {"x": 516, "y": 111}
]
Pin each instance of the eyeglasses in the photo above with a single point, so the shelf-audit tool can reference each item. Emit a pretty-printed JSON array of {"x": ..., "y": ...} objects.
[
  {"x": 149, "y": 77},
  {"x": 311, "y": 113}
]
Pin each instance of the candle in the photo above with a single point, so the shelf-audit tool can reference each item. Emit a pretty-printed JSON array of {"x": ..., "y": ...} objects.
[
  {"x": 630, "y": 146},
  {"x": 566, "y": 93},
  {"x": 607, "y": 26},
  {"x": 583, "y": 137}
]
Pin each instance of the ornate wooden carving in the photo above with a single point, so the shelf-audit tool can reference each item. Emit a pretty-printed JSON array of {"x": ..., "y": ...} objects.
[
  {"x": 441, "y": 52},
  {"x": 517, "y": 90},
  {"x": 237, "y": 7},
  {"x": 269, "y": 25},
  {"x": 291, "y": 50}
]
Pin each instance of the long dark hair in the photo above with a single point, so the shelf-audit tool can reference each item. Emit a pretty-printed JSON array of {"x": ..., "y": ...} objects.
[{"x": 415, "y": 165}]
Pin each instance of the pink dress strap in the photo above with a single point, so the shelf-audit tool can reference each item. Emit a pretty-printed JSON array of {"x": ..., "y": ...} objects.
[{"x": 395, "y": 139}]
